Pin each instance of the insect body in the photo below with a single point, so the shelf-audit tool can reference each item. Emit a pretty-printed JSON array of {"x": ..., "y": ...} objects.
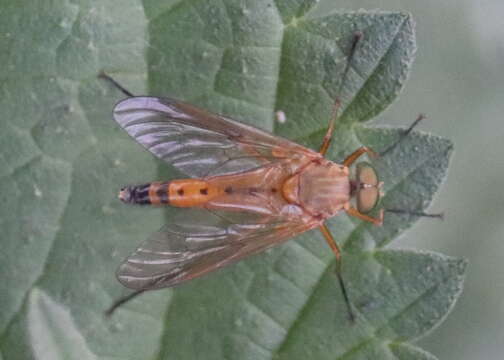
[
  {"x": 262, "y": 188},
  {"x": 309, "y": 188}
]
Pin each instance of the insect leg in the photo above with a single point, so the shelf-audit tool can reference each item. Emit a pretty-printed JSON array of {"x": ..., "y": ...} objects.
[
  {"x": 121, "y": 301},
  {"x": 416, "y": 213},
  {"x": 337, "y": 103},
  {"x": 358, "y": 153},
  {"x": 404, "y": 134},
  {"x": 334, "y": 247},
  {"x": 330, "y": 129},
  {"x": 108, "y": 78},
  {"x": 377, "y": 221}
]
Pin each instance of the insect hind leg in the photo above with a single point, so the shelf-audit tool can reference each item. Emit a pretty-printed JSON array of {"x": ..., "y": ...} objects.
[
  {"x": 121, "y": 301},
  {"x": 103, "y": 75}
]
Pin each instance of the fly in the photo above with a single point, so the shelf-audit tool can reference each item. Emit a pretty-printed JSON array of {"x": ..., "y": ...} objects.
[{"x": 259, "y": 189}]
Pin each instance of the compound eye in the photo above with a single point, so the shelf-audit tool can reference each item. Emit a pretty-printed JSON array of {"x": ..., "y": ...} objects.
[
  {"x": 368, "y": 189},
  {"x": 366, "y": 174},
  {"x": 367, "y": 198}
]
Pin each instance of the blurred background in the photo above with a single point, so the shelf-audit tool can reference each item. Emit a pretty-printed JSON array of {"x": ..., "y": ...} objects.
[{"x": 458, "y": 81}]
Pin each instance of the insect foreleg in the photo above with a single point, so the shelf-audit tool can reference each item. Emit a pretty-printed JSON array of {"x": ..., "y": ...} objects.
[
  {"x": 335, "y": 248},
  {"x": 358, "y": 153},
  {"x": 108, "y": 78},
  {"x": 354, "y": 212},
  {"x": 416, "y": 213},
  {"x": 404, "y": 134}
]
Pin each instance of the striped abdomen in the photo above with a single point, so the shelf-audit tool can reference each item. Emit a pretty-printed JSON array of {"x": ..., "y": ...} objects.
[{"x": 180, "y": 193}]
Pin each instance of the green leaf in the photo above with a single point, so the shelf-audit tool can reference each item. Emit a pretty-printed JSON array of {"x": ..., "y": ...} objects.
[{"x": 63, "y": 160}]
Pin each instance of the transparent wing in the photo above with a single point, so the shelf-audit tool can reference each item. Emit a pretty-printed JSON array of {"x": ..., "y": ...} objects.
[
  {"x": 198, "y": 242},
  {"x": 197, "y": 142}
]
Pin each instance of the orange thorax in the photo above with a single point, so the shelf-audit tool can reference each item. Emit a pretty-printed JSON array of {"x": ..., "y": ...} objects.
[{"x": 322, "y": 188}]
